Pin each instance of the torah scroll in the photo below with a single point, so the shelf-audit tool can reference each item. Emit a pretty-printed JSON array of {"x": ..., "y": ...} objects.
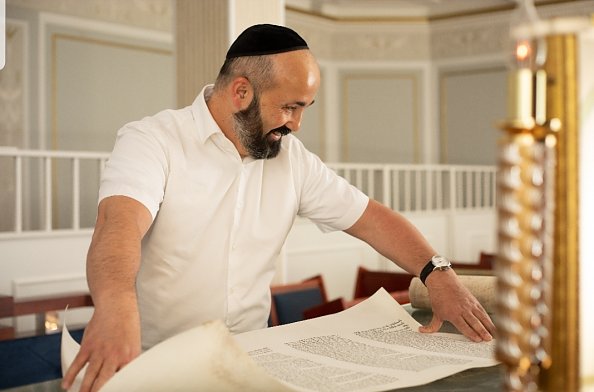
[{"x": 482, "y": 287}]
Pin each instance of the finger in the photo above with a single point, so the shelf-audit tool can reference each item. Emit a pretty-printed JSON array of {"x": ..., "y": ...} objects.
[
  {"x": 478, "y": 326},
  {"x": 75, "y": 367},
  {"x": 90, "y": 375},
  {"x": 107, "y": 372},
  {"x": 487, "y": 322},
  {"x": 465, "y": 329},
  {"x": 480, "y": 322},
  {"x": 433, "y": 326},
  {"x": 472, "y": 328}
]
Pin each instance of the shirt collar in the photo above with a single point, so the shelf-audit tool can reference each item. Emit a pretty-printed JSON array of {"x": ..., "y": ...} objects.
[{"x": 205, "y": 123}]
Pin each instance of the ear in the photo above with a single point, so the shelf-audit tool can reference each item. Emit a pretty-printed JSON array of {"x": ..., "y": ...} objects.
[{"x": 241, "y": 93}]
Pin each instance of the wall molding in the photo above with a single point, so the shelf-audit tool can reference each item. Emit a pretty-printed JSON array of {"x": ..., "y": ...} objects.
[
  {"x": 35, "y": 286},
  {"x": 50, "y": 20},
  {"x": 151, "y": 14}
]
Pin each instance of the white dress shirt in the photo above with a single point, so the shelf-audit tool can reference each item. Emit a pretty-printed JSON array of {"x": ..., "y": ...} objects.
[{"x": 219, "y": 221}]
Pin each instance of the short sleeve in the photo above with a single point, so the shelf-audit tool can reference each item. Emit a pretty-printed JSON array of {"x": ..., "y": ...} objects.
[
  {"x": 136, "y": 168},
  {"x": 327, "y": 199}
]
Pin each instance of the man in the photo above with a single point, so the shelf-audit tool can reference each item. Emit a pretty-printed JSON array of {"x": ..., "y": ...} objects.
[{"x": 196, "y": 203}]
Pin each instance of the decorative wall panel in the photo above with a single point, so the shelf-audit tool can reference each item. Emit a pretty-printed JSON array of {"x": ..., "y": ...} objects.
[
  {"x": 362, "y": 42},
  {"x": 12, "y": 87},
  {"x": 12, "y": 115},
  {"x": 95, "y": 83},
  {"x": 380, "y": 117},
  {"x": 153, "y": 14},
  {"x": 472, "y": 101}
]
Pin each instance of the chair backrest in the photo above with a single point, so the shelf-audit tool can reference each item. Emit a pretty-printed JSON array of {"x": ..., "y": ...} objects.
[
  {"x": 487, "y": 260},
  {"x": 35, "y": 359},
  {"x": 368, "y": 282},
  {"x": 290, "y": 300},
  {"x": 38, "y": 306},
  {"x": 330, "y": 307},
  {"x": 485, "y": 265}
]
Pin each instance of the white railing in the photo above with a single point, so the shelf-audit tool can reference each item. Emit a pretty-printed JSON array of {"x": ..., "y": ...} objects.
[
  {"x": 419, "y": 188},
  {"x": 48, "y": 191},
  {"x": 56, "y": 191}
]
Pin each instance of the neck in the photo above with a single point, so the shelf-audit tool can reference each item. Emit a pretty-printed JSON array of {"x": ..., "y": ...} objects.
[{"x": 222, "y": 111}]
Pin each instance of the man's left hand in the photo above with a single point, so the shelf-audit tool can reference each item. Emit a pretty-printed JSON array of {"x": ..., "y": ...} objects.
[{"x": 451, "y": 301}]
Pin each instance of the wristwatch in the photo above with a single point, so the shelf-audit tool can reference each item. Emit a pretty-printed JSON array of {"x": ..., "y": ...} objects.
[{"x": 436, "y": 263}]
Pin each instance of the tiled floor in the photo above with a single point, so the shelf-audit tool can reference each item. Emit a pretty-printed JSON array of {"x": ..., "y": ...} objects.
[{"x": 47, "y": 386}]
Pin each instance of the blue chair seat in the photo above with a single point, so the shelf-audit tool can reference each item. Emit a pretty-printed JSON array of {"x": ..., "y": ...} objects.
[
  {"x": 31, "y": 360},
  {"x": 290, "y": 305}
]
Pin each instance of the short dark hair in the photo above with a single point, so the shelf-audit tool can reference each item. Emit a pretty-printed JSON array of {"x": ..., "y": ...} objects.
[{"x": 259, "y": 70}]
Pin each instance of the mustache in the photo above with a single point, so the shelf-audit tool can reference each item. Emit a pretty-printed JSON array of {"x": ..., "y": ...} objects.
[{"x": 284, "y": 130}]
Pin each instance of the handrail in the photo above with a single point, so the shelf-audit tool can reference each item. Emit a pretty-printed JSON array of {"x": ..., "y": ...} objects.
[
  {"x": 17, "y": 152},
  {"x": 424, "y": 187},
  {"x": 36, "y": 178},
  {"x": 45, "y": 190}
]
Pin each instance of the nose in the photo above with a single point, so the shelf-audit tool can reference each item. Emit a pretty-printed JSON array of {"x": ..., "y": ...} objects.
[{"x": 295, "y": 122}]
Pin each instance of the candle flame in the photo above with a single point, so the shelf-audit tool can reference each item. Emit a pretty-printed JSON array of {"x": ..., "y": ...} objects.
[{"x": 522, "y": 51}]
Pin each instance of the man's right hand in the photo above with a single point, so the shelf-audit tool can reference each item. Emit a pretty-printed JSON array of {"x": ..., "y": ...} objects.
[
  {"x": 112, "y": 337},
  {"x": 111, "y": 340}
]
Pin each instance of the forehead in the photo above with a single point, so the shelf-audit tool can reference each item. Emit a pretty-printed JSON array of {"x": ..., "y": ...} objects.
[{"x": 297, "y": 77}]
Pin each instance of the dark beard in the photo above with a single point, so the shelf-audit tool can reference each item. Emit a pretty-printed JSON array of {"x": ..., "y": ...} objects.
[{"x": 250, "y": 131}]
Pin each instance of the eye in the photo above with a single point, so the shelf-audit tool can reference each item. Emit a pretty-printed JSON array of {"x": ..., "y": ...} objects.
[{"x": 290, "y": 108}]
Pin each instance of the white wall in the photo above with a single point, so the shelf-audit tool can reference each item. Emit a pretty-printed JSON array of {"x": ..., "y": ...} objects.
[
  {"x": 337, "y": 255},
  {"x": 41, "y": 264}
]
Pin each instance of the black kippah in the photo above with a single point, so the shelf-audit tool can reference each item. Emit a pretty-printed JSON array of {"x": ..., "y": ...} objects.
[{"x": 264, "y": 39}]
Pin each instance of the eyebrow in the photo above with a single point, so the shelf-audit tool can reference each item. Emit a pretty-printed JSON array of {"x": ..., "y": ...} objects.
[{"x": 304, "y": 104}]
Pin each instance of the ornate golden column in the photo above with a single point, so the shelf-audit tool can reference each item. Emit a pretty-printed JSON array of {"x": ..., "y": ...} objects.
[
  {"x": 538, "y": 259},
  {"x": 526, "y": 193},
  {"x": 525, "y": 190},
  {"x": 563, "y": 104}
]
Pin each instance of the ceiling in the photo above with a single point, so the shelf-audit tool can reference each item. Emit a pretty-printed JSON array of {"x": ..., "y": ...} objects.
[{"x": 412, "y": 10}]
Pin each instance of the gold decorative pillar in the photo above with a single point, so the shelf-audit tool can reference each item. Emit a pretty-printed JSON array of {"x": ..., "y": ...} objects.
[
  {"x": 526, "y": 200},
  {"x": 563, "y": 104},
  {"x": 525, "y": 192},
  {"x": 204, "y": 29},
  {"x": 538, "y": 260}
]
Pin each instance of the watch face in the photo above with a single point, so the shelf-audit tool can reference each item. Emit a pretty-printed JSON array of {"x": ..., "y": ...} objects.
[{"x": 440, "y": 261}]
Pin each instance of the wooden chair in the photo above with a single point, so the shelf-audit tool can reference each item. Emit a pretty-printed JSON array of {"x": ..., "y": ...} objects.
[
  {"x": 396, "y": 283},
  {"x": 290, "y": 300},
  {"x": 485, "y": 265},
  {"x": 38, "y": 306},
  {"x": 35, "y": 359},
  {"x": 324, "y": 309},
  {"x": 487, "y": 260},
  {"x": 6, "y": 310}
]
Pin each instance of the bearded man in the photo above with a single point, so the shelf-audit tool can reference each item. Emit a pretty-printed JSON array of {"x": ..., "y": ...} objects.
[{"x": 196, "y": 204}]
